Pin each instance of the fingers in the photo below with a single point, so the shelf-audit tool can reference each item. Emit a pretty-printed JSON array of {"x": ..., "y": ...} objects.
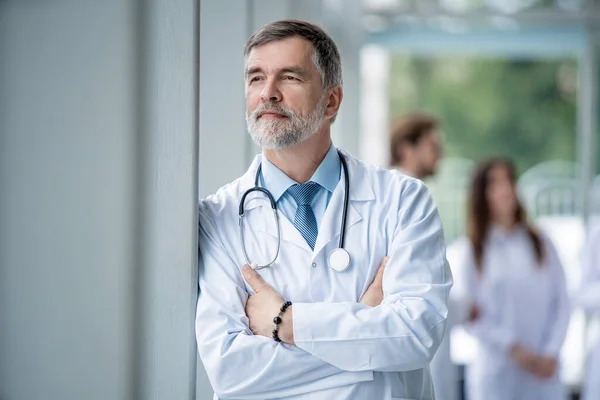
[
  {"x": 378, "y": 280},
  {"x": 384, "y": 262},
  {"x": 253, "y": 278}
]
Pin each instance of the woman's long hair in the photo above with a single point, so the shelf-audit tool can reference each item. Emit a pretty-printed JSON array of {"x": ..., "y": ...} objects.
[{"x": 479, "y": 214}]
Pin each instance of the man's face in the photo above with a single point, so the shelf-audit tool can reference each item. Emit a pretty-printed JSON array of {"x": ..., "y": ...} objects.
[
  {"x": 285, "y": 101},
  {"x": 428, "y": 153}
]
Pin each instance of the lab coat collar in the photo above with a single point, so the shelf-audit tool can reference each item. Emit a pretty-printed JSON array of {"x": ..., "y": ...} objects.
[
  {"x": 360, "y": 186},
  {"x": 254, "y": 199},
  {"x": 360, "y": 191},
  {"x": 327, "y": 175}
]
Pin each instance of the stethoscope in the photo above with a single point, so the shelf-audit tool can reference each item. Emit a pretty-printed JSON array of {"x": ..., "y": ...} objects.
[{"x": 339, "y": 259}]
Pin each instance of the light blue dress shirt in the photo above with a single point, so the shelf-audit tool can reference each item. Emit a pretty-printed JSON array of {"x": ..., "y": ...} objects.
[{"x": 327, "y": 176}]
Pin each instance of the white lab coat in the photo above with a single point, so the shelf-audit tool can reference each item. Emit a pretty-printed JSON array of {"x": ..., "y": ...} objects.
[
  {"x": 519, "y": 303},
  {"x": 588, "y": 298},
  {"x": 344, "y": 350},
  {"x": 444, "y": 373}
]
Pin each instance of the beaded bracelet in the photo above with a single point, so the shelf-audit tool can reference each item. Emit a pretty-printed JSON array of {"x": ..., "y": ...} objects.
[{"x": 277, "y": 320}]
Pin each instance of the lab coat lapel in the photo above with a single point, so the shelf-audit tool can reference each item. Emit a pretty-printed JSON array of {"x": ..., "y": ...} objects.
[
  {"x": 291, "y": 234},
  {"x": 258, "y": 217},
  {"x": 265, "y": 224},
  {"x": 360, "y": 191},
  {"x": 254, "y": 199}
]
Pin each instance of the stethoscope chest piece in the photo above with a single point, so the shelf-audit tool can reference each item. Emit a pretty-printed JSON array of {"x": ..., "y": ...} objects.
[{"x": 339, "y": 259}]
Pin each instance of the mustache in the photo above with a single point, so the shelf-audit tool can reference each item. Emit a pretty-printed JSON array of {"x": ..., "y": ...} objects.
[{"x": 270, "y": 106}]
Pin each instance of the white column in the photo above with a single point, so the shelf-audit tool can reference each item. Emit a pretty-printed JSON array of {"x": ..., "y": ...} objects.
[
  {"x": 167, "y": 227},
  {"x": 344, "y": 23},
  {"x": 374, "y": 132},
  {"x": 307, "y": 10},
  {"x": 224, "y": 142},
  {"x": 67, "y": 199},
  {"x": 263, "y": 12},
  {"x": 587, "y": 115},
  {"x": 587, "y": 126}
]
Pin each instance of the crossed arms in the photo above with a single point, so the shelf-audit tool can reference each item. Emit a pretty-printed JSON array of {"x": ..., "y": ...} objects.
[{"x": 396, "y": 326}]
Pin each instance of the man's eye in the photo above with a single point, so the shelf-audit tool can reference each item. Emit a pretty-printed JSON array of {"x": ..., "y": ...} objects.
[{"x": 290, "y": 78}]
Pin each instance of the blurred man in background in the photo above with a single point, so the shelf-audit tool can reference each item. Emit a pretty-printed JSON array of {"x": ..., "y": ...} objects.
[
  {"x": 416, "y": 150},
  {"x": 416, "y": 147}
]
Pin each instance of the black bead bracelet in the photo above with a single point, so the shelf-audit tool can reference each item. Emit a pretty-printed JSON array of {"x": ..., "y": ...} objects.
[{"x": 277, "y": 320}]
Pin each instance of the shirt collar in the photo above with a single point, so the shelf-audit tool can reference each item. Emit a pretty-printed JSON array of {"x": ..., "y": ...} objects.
[
  {"x": 327, "y": 174},
  {"x": 498, "y": 232}
]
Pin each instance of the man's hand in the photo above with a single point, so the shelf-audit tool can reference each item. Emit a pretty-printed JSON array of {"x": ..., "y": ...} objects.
[
  {"x": 263, "y": 306},
  {"x": 525, "y": 359},
  {"x": 374, "y": 294}
]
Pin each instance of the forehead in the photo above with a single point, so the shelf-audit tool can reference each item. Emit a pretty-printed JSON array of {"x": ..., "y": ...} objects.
[
  {"x": 432, "y": 135},
  {"x": 499, "y": 171},
  {"x": 282, "y": 54},
  {"x": 429, "y": 137}
]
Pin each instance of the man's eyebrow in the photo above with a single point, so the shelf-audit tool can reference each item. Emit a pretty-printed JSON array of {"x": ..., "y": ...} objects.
[
  {"x": 253, "y": 70},
  {"x": 290, "y": 70},
  {"x": 295, "y": 70}
]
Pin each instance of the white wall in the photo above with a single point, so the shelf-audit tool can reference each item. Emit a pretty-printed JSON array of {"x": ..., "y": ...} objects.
[
  {"x": 67, "y": 158},
  {"x": 374, "y": 130},
  {"x": 343, "y": 21},
  {"x": 98, "y": 172},
  {"x": 223, "y": 139},
  {"x": 168, "y": 224}
]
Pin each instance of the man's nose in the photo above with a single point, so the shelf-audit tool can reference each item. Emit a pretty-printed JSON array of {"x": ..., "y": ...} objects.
[{"x": 271, "y": 92}]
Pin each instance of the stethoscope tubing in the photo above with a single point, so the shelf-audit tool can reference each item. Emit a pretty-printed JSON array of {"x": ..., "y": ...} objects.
[{"x": 274, "y": 208}]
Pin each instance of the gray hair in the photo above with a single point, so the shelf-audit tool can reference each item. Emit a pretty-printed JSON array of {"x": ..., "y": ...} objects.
[{"x": 325, "y": 56}]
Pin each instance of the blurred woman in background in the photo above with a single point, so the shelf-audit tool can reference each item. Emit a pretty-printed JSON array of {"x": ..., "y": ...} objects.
[
  {"x": 513, "y": 283},
  {"x": 588, "y": 298}
]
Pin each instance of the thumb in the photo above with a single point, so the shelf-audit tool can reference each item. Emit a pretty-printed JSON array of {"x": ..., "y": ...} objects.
[
  {"x": 253, "y": 278},
  {"x": 379, "y": 276},
  {"x": 384, "y": 262}
]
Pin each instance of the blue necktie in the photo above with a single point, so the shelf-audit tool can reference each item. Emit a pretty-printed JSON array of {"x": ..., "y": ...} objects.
[{"x": 305, "y": 220}]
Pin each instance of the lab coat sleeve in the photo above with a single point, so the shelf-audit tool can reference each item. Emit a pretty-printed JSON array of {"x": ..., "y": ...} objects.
[
  {"x": 558, "y": 324},
  {"x": 404, "y": 331},
  {"x": 238, "y": 364},
  {"x": 467, "y": 290},
  {"x": 588, "y": 295},
  {"x": 460, "y": 299}
]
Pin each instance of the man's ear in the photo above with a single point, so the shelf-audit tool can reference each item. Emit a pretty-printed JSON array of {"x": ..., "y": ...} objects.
[{"x": 334, "y": 101}]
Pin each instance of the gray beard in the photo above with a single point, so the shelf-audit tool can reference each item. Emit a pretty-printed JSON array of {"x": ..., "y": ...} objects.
[{"x": 282, "y": 133}]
